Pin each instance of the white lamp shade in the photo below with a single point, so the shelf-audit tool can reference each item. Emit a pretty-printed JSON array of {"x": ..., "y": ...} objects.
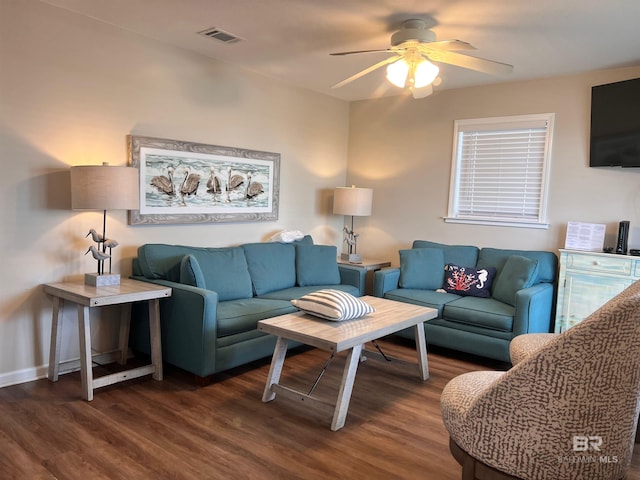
[
  {"x": 352, "y": 201},
  {"x": 101, "y": 187}
]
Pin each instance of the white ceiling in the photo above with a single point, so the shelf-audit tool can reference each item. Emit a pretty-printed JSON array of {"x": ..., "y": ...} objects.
[{"x": 290, "y": 40}]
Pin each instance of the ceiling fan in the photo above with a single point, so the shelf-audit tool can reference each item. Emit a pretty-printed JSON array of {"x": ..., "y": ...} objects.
[{"x": 415, "y": 48}]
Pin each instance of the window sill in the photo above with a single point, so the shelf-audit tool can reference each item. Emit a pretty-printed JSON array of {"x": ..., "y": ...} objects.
[{"x": 497, "y": 223}]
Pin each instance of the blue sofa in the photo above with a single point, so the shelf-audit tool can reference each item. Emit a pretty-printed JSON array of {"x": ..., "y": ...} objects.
[
  {"x": 209, "y": 324},
  {"x": 519, "y": 299}
]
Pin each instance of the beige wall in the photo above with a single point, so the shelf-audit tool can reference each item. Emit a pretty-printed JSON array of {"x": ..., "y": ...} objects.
[
  {"x": 71, "y": 89},
  {"x": 401, "y": 148}
]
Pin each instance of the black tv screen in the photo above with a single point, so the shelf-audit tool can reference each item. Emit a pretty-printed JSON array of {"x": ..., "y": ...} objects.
[{"x": 615, "y": 124}]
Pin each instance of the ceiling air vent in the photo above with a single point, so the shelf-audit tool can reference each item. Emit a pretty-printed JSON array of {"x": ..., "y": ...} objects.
[{"x": 220, "y": 35}]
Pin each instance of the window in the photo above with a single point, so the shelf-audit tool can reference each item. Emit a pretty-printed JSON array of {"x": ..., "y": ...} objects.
[{"x": 500, "y": 169}]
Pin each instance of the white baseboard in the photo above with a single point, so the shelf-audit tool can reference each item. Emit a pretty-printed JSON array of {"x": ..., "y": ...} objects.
[
  {"x": 23, "y": 376},
  {"x": 66, "y": 366}
]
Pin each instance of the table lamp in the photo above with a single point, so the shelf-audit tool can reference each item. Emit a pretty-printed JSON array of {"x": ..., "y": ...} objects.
[
  {"x": 101, "y": 187},
  {"x": 355, "y": 202}
]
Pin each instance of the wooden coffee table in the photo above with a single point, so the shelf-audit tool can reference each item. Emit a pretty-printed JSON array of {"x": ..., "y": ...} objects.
[{"x": 390, "y": 317}]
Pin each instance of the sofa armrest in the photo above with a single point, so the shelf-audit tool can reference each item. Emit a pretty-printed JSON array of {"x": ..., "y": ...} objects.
[
  {"x": 385, "y": 280},
  {"x": 350, "y": 275},
  {"x": 534, "y": 306},
  {"x": 189, "y": 326}
]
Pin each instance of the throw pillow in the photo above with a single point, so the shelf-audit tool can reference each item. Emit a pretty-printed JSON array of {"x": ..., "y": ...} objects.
[
  {"x": 421, "y": 268},
  {"x": 317, "y": 265},
  {"x": 190, "y": 272},
  {"x": 467, "y": 281},
  {"x": 518, "y": 273},
  {"x": 333, "y": 305}
]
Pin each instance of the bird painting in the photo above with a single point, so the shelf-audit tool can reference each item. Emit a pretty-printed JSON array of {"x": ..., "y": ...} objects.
[
  {"x": 164, "y": 184},
  {"x": 233, "y": 182},
  {"x": 253, "y": 188},
  {"x": 190, "y": 183},
  {"x": 213, "y": 184}
]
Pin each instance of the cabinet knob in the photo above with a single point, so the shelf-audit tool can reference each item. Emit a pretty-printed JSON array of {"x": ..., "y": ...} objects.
[{"x": 595, "y": 262}]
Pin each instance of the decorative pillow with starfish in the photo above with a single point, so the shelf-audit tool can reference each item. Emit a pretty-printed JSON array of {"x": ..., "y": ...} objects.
[{"x": 467, "y": 281}]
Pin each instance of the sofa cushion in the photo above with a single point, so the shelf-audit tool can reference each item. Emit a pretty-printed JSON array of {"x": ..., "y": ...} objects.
[
  {"x": 425, "y": 298},
  {"x": 463, "y": 255},
  {"x": 480, "y": 312},
  {"x": 317, "y": 265},
  {"x": 518, "y": 273},
  {"x": 467, "y": 281},
  {"x": 161, "y": 261},
  {"x": 191, "y": 273},
  {"x": 225, "y": 271},
  {"x": 242, "y": 315},
  {"x": 271, "y": 265},
  {"x": 333, "y": 305},
  {"x": 421, "y": 268},
  {"x": 497, "y": 257}
]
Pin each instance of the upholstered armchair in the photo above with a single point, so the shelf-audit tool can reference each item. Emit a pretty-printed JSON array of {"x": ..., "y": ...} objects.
[
  {"x": 524, "y": 345},
  {"x": 566, "y": 411}
]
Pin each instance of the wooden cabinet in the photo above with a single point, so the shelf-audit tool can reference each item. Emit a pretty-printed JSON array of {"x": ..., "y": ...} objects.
[{"x": 588, "y": 280}]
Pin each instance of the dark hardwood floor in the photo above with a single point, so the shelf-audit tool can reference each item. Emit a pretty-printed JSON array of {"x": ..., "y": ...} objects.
[{"x": 176, "y": 430}]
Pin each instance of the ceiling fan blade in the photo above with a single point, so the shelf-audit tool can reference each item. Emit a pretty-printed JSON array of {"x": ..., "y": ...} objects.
[
  {"x": 446, "y": 45},
  {"x": 473, "y": 63},
  {"x": 367, "y": 70},
  {"x": 361, "y": 51}
]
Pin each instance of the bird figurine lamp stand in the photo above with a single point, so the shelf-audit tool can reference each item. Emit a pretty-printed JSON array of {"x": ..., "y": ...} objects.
[
  {"x": 355, "y": 202},
  {"x": 101, "y": 187}
]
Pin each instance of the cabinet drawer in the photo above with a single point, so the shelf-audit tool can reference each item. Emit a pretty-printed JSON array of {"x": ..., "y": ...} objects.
[
  {"x": 599, "y": 263},
  {"x": 636, "y": 268}
]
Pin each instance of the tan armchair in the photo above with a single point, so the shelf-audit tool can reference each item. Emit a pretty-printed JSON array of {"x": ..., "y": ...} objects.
[{"x": 566, "y": 411}]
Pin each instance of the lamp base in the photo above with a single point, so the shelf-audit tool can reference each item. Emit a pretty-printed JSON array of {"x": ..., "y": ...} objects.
[
  {"x": 351, "y": 257},
  {"x": 104, "y": 280}
]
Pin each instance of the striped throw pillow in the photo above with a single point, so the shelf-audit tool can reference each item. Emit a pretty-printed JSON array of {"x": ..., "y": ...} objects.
[{"x": 333, "y": 305}]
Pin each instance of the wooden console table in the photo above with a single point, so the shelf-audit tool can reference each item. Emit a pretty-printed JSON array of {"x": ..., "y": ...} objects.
[{"x": 86, "y": 297}]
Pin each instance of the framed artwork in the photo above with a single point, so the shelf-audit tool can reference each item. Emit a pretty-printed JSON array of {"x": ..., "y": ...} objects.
[{"x": 186, "y": 182}]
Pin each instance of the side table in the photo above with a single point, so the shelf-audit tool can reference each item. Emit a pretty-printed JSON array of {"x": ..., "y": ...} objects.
[
  {"x": 368, "y": 265},
  {"x": 86, "y": 297}
]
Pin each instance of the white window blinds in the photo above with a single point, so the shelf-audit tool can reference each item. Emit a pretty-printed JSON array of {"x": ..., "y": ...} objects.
[{"x": 499, "y": 169}]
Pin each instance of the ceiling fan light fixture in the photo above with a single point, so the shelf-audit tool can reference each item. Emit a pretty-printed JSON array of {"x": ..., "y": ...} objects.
[
  {"x": 416, "y": 74},
  {"x": 425, "y": 73},
  {"x": 397, "y": 73}
]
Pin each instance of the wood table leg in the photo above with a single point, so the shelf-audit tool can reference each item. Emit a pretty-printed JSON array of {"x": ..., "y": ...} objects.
[
  {"x": 125, "y": 323},
  {"x": 56, "y": 338},
  {"x": 86, "y": 372},
  {"x": 156, "y": 338},
  {"x": 421, "y": 350},
  {"x": 277, "y": 361},
  {"x": 346, "y": 387}
]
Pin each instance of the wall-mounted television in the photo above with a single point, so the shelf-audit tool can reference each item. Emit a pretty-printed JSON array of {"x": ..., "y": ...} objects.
[{"x": 615, "y": 124}]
